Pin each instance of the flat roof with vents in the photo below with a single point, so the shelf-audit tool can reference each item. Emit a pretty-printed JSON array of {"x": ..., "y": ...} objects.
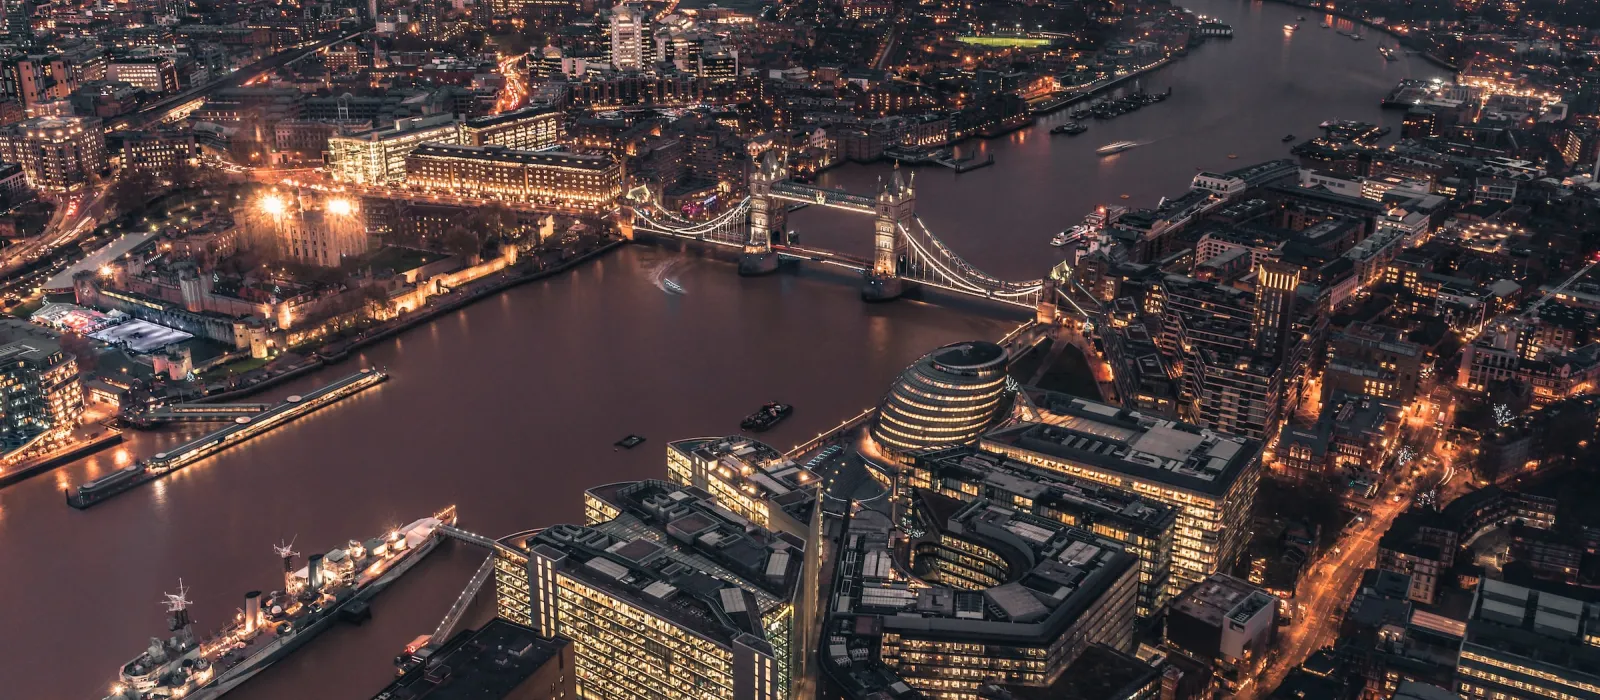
[{"x": 1107, "y": 439}]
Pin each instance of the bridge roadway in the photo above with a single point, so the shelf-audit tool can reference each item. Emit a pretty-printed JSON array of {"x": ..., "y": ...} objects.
[
  {"x": 931, "y": 262},
  {"x": 164, "y": 108},
  {"x": 822, "y": 256},
  {"x": 838, "y": 199}
]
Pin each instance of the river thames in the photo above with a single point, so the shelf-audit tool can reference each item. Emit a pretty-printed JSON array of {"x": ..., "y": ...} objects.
[{"x": 509, "y": 408}]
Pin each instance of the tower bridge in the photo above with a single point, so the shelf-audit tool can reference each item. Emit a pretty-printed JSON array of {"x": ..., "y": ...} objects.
[{"x": 904, "y": 250}]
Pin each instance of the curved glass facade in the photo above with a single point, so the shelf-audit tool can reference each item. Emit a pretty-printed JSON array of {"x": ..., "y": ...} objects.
[{"x": 947, "y": 397}]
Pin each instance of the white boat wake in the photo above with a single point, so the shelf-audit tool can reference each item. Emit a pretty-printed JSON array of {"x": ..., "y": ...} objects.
[{"x": 661, "y": 276}]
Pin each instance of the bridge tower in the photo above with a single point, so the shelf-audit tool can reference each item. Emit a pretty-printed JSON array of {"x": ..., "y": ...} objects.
[
  {"x": 767, "y": 214},
  {"x": 896, "y": 208}
]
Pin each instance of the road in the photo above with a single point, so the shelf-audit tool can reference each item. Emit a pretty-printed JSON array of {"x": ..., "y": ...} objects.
[
  {"x": 159, "y": 110},
  {"x": 1325, "y": 588},
  {"x": 74, "y": 215},
  {"x": 515, "y": 92},
  {"x": 1331, "y": 581}
]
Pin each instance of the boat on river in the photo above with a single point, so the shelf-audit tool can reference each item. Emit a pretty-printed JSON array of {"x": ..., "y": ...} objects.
[
  {"x": 1116, "y": 147},
  {"x": 333, "y": 586}
]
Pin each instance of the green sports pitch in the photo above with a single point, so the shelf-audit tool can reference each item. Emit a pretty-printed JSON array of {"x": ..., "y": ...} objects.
[{"x": 1003, "y": 41}]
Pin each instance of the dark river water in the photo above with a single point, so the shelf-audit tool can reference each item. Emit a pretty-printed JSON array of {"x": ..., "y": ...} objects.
[{"x": 508, "y": 408}]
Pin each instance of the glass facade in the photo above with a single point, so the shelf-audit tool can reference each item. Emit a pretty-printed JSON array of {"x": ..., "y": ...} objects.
[
  {"x": 1212, "y": 528},
  {"x": 40, "y": 391},
  {"x": 664, "y": 595},
  {"x": 1142, "y": 527},
  {"x": 948, "y": 397}
]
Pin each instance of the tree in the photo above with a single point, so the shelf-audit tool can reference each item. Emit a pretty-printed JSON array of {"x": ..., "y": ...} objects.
[
  {"x": 459, "y": 239},
  {"x": 131, "y": 192},
  {"x": 511, "y": 44}
]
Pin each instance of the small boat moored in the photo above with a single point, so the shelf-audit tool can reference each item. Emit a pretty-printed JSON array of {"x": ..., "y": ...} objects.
[
  {"x": 766, "y": 417},
  {"x": 1288, "y": 137}
]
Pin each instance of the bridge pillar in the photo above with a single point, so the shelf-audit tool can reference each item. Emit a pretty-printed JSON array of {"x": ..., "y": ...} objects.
[
  {"x": 624, "y": 221},
  {"x": 766, "y": 214},
  {"x": 896, "y": 208},
  {"x": 1048, "y": 313}
]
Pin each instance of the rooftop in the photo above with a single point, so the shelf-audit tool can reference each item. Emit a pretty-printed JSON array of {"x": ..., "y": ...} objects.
[
  {"x": 484, "y": 664},
  {"x": 1109, "y": 439},
  {"x": 508, "y": 117},
  {"x": 1090, "y": 501},
  {"x": 674, "y": 551},
  {"x": 1534, "y": 625},
  {"x": 20, "y": 340},
  {"x": 759, "y": 467},
  {"x": 1221, "y": 597},
  {"x": 404, "y": 127},
  {"x": 502, "y": 154},
  {"x": 1055, "y": 574}
]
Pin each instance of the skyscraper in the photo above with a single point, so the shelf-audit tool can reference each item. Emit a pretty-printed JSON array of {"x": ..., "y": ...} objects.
[
  {"x": 627, "y": 38},
  {"x": 1274, "y": 313}
]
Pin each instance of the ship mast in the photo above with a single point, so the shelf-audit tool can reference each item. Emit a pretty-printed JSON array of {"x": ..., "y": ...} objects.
[
  {"x": 287, "y": 554},
  {"x": 178, "y": 605},
  {"x": 178, "y": 619}
]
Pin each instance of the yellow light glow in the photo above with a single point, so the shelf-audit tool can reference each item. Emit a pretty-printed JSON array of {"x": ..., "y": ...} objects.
[
  {"x": 273, "y": 204},
  {"x": 340, "y": 206}
]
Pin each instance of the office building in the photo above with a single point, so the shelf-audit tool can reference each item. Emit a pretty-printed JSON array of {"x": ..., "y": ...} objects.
[
  {"x": 990, "y": 596},
  {"x": 672, "y": 596},
  {"x": 1276, "y": 286},
  {"x": 57, "y": 153},
  {"x": 1209, "y": 477},
  {"x": 527, "y": 129},
  {"x": 1139, "y": 525},
  {"x": 749, "y": 478},
  {"x": 153, "y": 73},
  {"x": 1227, "y": 623},
  {"x": 499, "y": 661},
  {"x": 757, "y": 483},
  {"x": 537, "y": 8},
  {"x": 1100, "y": 673},
  {"x": 546, "y": 178},
  {"x": 947, "y": 397},
  {"x": 378, "y": 156},
  {"x": 158, "y": 153},
  {"x": 628, "y": 45},
  {"x": 40, "y": 391},
  {"x": 1523, "y": 644}
]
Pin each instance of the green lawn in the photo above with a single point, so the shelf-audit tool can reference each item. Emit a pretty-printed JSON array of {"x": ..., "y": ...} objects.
[
  {"x": 1003, "y": 41},
  {"x": 238, "y": 367}
]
